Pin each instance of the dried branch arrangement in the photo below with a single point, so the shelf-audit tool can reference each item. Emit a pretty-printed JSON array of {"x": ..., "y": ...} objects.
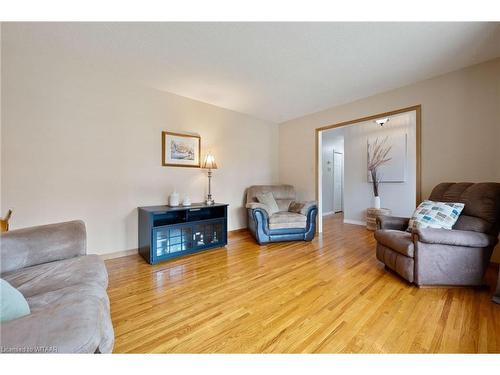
[{"x": 378, "y": 152}]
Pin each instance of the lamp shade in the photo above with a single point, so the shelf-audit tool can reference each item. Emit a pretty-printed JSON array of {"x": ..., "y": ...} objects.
[{"x": 209, "y": 162}]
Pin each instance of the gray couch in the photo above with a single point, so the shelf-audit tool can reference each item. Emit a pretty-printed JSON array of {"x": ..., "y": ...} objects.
[
  {"x": 439, "y": 256},
  {"x": 64, "y": 287},
  {"x": 294, "y": 222}
]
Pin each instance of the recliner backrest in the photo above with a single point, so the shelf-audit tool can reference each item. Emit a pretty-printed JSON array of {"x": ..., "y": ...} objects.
[
  {"x": 481, "y": 212},
  {"x": 283, "y": 194}
]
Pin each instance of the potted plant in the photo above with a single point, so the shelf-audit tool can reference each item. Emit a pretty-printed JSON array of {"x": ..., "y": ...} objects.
[{"x": 378, "y": 152}]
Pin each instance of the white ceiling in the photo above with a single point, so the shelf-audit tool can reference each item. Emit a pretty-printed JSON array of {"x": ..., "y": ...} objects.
[{"x": 273, "y": 71}]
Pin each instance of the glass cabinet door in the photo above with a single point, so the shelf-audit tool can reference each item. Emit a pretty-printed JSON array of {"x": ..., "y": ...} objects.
[
  {"x": 208, "y": 234},
  {"x": 172, "y": 240}
]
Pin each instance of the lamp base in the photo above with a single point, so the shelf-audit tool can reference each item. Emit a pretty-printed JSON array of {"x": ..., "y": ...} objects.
[{"x": 209, "y": 201}]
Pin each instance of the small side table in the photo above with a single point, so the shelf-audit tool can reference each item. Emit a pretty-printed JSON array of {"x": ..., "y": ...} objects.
[
  {"x": 372, "y": 214},
  {"x": 496, "y": 296}
]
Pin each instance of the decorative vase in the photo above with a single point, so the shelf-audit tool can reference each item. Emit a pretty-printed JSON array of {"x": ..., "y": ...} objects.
[
  {"x": 376, "y": 202},
  {"x": 173, "y": 199},
  {"x": 186, "y": 201}
]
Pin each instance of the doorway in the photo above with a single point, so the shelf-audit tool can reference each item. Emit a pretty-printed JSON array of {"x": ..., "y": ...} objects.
[
  {"x": 333, "y": 173},
  {"x": 342, "y": 180}
]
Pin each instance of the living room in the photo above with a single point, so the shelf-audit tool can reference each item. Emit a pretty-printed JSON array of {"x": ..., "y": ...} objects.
[{"x": 163, "y": 187}]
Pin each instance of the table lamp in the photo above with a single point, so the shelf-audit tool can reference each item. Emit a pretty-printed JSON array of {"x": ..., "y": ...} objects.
[{"x": 209, "y": 163}]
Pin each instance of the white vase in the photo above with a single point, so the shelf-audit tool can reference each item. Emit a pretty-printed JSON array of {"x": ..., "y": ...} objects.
[
  {"x": 173, "y": 199},
  {"x": 186, "y": 201},
  {"x": 376, "y": 202}
]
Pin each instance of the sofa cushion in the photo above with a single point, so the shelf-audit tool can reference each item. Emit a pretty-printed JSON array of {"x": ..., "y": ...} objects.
[
  {"x": 53, "y": 298},
  {"x": 52, "y": 276},
  {"x": 482, "y": 201},
  {"x": 284, "y": 204},
  {"x": 396, "y": 240},
  {"x": 279, "y": 192},
  {"x": 283, "y": 220},
  {"x": 72, "y": 323},
  {"x": 268, "y": 200}
]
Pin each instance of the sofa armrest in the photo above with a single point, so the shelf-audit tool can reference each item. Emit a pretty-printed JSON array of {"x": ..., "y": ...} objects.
[
  {"x": 392, "y": 222},
  {"x": 42, "y": 244},
  {"x": 302, "y": 208},
  {"x": 454, "y": 237},
  {"x": 257, "y": 205}
]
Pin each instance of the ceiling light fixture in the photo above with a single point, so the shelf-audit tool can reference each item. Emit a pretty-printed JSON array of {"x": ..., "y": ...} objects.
[{"x": 382, "y": 121}]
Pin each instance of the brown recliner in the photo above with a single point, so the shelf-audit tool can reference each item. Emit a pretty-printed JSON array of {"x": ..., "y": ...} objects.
[{"x": 432, "y": 256}]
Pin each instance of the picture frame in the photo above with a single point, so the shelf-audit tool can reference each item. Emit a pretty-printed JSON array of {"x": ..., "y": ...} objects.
[
  {"x": 395, "y": 170},
  {"x": 181, "y": 150}
]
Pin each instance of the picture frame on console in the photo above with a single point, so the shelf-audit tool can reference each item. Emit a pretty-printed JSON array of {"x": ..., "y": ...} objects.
[{"x": 180, "y": 150}]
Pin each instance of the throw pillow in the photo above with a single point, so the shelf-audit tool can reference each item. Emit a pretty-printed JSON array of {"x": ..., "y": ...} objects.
[
  {"x": 269, "y": 201},
  {"x": 431, "y": 214},
  {"x": 13, "y": 305}
]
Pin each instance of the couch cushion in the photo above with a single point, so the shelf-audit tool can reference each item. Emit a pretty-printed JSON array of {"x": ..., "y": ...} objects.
[
  {"x": 279, "y": 192},
  {"x": 71, "y": 323},
  {"x": 396, "y": 240},
  {"x": 284, "y": 204},
  {"x": 53, "y": 276},
  {"x": 268, "y": 200},
  {"x": 283, "y": 220},
  {"x": 482, "y": 200}
]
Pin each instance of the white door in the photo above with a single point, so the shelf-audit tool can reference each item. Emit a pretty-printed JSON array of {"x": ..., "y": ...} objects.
[{"x": 338, "y": 174}]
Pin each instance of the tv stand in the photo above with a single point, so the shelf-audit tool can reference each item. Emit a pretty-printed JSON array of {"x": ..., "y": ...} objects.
[{"x": 168, "y": 232}]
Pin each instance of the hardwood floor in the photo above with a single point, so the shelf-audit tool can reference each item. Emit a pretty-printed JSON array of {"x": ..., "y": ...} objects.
[{"x": 327, "y": 296}]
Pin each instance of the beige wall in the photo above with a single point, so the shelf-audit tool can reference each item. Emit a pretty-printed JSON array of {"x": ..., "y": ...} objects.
[
  {"x": 460, "y": 129},
  {"x": 81, "y": 145}
]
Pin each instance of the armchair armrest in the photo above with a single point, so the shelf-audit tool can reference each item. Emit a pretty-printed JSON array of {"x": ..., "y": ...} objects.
[
  {"x": 302, "y": 207},
  {"x": 454, "y": 237},
  {"x": 42, "y": 244},
  {"x": 257, "y": 205},
  {"x": 392, "y": 222}
]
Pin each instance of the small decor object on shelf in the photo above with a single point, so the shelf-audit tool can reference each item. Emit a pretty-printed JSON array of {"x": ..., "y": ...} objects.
[
  {"x": 372, "y": 214},
  {"x": 4, "y": 223},
  {"x": 173, "y": 199},
  {"x": 186, "y": 201},
  {"x": 180, "y": 150},
  {"x": 209, "y": 163},
  {"x": 378, "y": 152}
]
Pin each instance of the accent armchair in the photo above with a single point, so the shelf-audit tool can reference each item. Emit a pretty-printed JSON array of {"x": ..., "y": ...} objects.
[
  {"x": 459, "y": 256},
  {"x": 294, "y": 222}
]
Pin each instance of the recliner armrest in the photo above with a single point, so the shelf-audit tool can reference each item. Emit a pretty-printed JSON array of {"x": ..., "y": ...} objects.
[
  {"x": 454, "y": 237},
  {"x": 392, "y": 222},
  {"x": 302, "y": 207}
]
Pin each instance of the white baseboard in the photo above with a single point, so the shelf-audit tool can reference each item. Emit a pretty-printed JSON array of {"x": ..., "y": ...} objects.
[
  {"x": 328, "y": 213},
  {"x": 356, "y": 222},
  {"x": 118, "y": 254}
]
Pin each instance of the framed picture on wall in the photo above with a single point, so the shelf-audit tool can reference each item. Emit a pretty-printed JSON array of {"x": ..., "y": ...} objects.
[
  {"x": 180, "y": 150},
  {"x": 395, "y": 169}
]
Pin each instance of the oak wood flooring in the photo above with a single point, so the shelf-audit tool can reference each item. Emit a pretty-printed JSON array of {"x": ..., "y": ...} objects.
[{"x": 330, "y": 295}]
